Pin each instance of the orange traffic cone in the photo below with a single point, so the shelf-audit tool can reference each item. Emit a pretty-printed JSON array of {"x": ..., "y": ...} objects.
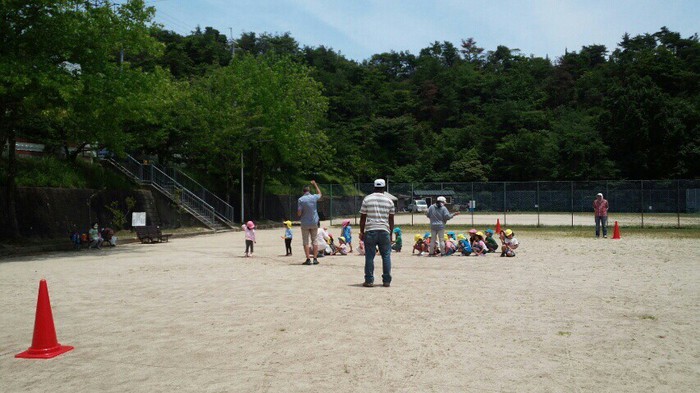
[
  {"x": 498, "y": 225},
  {"x": 44, "y": 344},
  {"x": 616, "y": 231}
]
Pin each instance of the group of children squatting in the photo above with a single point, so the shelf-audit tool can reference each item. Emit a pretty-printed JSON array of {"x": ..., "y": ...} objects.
[{"x": 478, "y": 243}]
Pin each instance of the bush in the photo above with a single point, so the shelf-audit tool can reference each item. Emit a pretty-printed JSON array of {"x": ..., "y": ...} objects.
[{"x": 53, "y": 172}]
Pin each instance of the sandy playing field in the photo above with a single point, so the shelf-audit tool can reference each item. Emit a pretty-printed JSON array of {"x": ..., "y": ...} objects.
[{"x": 193, "y": 315}]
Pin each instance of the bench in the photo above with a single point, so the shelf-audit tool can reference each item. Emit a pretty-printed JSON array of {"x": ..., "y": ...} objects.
[{"x": 151, "y": 234}]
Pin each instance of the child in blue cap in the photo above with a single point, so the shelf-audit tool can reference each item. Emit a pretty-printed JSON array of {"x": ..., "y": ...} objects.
[
  {"x": 491, "y": 243},
  {"x": 398, "y": 243}
]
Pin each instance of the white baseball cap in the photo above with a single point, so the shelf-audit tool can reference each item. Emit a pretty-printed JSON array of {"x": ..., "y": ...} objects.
[
  {"x": 379, "y": 183},
  {"x": 600, "y": 194},
  {"x": 442, "y": 199}
]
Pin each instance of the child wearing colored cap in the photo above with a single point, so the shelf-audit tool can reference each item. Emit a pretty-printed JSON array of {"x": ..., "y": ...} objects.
[
  {"x": 510, "y": 243},
  {"x": 472, "y": 235},
  {"x": 288, "y": 237},
  {"x": 346, "y": 232},
  {"x": 249, "y": 229},
  {"x": 398, "y": 243},
  {"x": 463, "y": 245},
  {"x": 418, "y": 245},
  {"x": 478, "y": 245},
  {"x": 342, "y": 247},
  {"x": 491, "y": 243},
  {"x": 450, "y": 247}
]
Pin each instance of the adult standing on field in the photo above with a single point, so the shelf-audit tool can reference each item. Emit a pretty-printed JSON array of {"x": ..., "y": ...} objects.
[
  {"x": 376, "y": 226},
  {"x": 307, "y": 210},
  {"x": 438, "y": 215},
  {"x": 600, "y": 207}
]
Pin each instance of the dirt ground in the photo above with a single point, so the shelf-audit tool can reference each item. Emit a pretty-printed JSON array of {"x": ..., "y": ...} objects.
[{"x": 567, "y": 314}]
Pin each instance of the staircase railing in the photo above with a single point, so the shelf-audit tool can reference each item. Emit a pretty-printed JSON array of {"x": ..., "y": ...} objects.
[
  {"x": 223, "y": 210},
  {"x": 196, "y": 205},
  {"x": 150, "y": 174}
]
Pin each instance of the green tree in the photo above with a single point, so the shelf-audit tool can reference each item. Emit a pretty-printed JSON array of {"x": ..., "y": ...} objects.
[
  {"x": 267, "y": 108},
  {"x": 60, "y": 69}
]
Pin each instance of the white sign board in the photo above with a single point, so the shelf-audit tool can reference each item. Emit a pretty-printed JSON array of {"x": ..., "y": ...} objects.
[
  {"x": 472, "y": 204},
  {"x": 138, "y": 219}
]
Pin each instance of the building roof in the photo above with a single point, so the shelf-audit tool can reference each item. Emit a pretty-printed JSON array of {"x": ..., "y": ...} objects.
[{"x": 434, "y": 192}]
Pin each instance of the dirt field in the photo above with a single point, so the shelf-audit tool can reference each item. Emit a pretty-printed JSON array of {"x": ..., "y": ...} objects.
[{"x": 193, "y": 315}]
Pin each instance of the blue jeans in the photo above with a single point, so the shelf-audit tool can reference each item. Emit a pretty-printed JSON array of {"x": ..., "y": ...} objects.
[
  {"x": 372, "y": 240},
  {"x": 601, "y": 220}
]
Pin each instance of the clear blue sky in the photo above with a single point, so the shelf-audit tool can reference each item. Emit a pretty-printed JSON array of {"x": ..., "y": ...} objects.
[{"x": 361, "y": 28}]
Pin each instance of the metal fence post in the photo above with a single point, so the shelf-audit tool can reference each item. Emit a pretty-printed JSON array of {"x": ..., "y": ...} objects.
[
  {"x": 505, "y": 215},
  {"x": 572, "y": 203},
  {"x": 537, "y": 202},
  {"x": 331, "y": 207},
  {"x": 473, "y": 198},
  {"x": 413, "y": 202},
  {"x": 354, "y": 201},
  {"x": 642, "y": 188},
  {"x": 678, "y": 202}
]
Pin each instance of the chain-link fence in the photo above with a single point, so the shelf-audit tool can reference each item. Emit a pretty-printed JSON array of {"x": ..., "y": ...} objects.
[{"x": 641, "y": 203}]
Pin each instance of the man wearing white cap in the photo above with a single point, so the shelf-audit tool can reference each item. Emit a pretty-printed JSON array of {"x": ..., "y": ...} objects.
[
  {"x": 600, "y": 207},
  {"x": 438, "y": 215},
  {"x": 376, "y": 226}
]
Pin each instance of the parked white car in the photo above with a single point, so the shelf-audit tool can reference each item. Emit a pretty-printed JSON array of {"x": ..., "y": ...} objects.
[{"x": 419, "y": 205}]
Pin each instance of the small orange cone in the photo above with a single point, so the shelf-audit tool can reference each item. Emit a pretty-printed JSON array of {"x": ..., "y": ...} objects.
[
  {"x": 616, "y": 231},
  {"x": 498, "y": 225},
  {"x": 44, "y": 343}
]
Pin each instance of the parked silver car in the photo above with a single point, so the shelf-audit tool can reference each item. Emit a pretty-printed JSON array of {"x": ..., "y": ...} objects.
[{"x": 419, "y": 205}]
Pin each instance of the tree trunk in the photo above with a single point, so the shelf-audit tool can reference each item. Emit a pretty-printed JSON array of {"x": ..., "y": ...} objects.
[
  {"x": 12, "y": 228},
  {"x": 259, "y": 188}
]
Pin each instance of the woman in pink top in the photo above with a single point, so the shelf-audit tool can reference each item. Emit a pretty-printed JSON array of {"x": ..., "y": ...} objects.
[
  {"x": 249, "y": 229},
  {"x": 600, "y": 207}
]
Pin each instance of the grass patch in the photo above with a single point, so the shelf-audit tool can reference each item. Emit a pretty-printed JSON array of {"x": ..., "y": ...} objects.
[
  {"x": 648, "y": 317},
  {"x": 564, "y": 334}
]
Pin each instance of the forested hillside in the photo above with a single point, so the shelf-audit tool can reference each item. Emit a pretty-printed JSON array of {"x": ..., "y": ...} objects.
[
  {"x": 458, "y": 112},
  {"x": 78, "y": 75}
]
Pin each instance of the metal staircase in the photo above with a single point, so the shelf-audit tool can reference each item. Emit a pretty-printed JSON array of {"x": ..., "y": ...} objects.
[{"x": 217, "y": 215}]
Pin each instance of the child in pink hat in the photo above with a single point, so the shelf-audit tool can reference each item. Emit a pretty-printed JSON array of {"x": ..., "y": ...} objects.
[
  {"x": 347, "y": 234},
  {"x": 249, "y": 229}
]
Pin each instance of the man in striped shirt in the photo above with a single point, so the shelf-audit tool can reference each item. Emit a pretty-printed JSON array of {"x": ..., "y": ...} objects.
[{"x": 376, "y": 226}]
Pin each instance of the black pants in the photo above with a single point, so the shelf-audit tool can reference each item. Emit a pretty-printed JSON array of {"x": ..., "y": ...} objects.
[
  {"x": 288, "y": 246},
  {"x": 248, "y": 244}
]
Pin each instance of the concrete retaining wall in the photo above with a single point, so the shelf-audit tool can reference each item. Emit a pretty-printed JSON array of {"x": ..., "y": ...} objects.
[{"x": 45, "y": 212}]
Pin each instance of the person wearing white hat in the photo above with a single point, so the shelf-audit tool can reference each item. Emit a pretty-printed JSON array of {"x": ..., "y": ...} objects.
[
  {"x": 376, "y": 226},
  {"x": 600, "y": 207},
  {"x": 438, "y": 215}
]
